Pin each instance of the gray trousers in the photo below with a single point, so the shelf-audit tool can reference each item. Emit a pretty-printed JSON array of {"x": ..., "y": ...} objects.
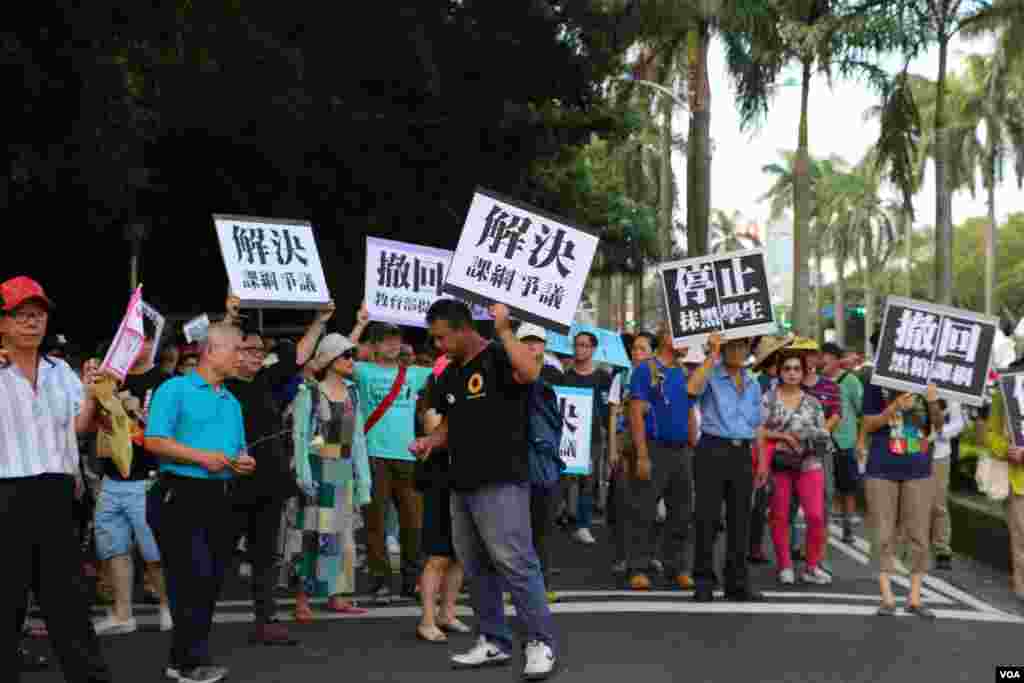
[{"x": 637, "y": 509}]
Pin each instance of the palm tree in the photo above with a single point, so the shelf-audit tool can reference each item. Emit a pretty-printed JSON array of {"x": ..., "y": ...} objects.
[{"x": 726, "y": 234}]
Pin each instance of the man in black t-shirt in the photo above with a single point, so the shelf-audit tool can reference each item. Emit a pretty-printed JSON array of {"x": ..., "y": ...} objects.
[
  {"x": 584, "y": 374},
  {"x": 483, "y": 397}
]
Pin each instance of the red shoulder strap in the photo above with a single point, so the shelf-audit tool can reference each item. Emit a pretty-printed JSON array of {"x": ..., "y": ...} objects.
[{"x": 382, "y": 408}]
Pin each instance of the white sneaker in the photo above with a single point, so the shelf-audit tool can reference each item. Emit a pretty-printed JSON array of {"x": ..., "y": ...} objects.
[
  {"x": 658, "y": 566},
  {"x": 584, "y": 536},
  {"x": 393, "y": 547},
  {"x": 662, "y": 511},
  {"x": 166, "y": 621},
  {"x": 540, "y": 661},
  {"x": 484, "y": 653},
  {"x": 203, "y": 674},
  {"x": 787, "y": 577},
  {"x": 817, "y": 575},
  {"x": 111, "y": 626}
]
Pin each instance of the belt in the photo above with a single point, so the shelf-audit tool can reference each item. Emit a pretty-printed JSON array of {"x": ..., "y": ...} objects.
[
  {"x": 671, "y": 444},
  {"x": 735, "y": 443},
  {"x": 224, "y": 486}
]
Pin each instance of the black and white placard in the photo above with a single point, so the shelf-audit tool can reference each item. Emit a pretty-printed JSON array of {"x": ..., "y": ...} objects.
[
  {"x": 272, "y": 262},
  {"x": 517, "y": 255},
  {"x": 725, "y": 293},
  {"x": 1011, "y": 384},
  {"x": 921, "y": 342}
]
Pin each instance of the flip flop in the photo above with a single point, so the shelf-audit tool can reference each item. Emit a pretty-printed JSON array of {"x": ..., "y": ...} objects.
[
  {"x": 437, "y": 636},
  {"x": 304, "y": 615},
  {"x": 345, "y": 609},
  {"x": 455, "y": 626}
]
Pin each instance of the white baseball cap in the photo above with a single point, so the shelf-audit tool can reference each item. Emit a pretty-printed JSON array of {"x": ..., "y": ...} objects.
[{"x": 530, "y": 330}]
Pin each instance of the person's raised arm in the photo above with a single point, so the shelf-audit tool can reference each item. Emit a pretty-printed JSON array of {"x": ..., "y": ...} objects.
[
  {"x": 525, "y": 365},
  {"x": 699, "y": 377},
  {"x": 362, "y": 321},
  {"x": 872, "y": 423},
  {"x": 307, "y": 345}
]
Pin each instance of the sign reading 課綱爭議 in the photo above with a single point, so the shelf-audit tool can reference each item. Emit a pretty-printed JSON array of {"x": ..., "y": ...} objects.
[
  {"x": 725, "y": 293},
  {"x": 404, "y": 280},
  {"x": 1011, "y": 384},
  {"x": 577, "y": 407},
  {"x": 921, "y": 342},
  {"x": 516, "y": 255},
  {"x": 271, "y": 262}
]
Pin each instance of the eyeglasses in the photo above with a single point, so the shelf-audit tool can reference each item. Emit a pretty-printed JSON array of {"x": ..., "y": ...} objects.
[
  {"x": 23, "y": 317},
  {"x": 792, "y": 368}
]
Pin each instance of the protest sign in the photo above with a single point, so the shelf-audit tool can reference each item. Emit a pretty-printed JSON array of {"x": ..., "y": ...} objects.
[
  {"x": 516, "y": 255},
  {"x": 922, "y": 342},
  {"x": 725, "y": 293},
  {"x": 577, "y": 407},
  {"x": 158, "y": 321},
  {"x": 404, "y": 280},
  {"x": 1011, "y": 385},
  {"x": 271, "y": 262},
  {"x": 127, "y": 344},
  {"x": 196, "y": 329},
  {"x": 610, "y": 348}
]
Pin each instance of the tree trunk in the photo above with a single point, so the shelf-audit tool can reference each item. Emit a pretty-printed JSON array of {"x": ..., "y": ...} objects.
[
  {"x": 991, "y": 236},
  {"x": 698, "y": 148},
  {"x": 638, "y": 301},
  {"x": 623, "y": 279},
  {"x": 666, "y": 194},
  {"x": 841, "y": 299},
  {"x": 604, "y": 300},
  {"x": 801, "y": 215},
  {"x": 943, "y": 193},
  {"x": 908, "y": 233}
]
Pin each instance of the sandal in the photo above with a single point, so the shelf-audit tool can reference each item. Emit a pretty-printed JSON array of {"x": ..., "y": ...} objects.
[
  {"x": 431, "y": 636},
  {"x": 455, "y": 626},
  {"x": 303, "y": 613},
  {"x": 344, "y": 607}
]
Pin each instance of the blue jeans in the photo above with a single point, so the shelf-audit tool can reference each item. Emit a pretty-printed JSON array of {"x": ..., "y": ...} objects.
[
  {"x": 493, "y": 540},
  {"x": 120, "y": 518}
]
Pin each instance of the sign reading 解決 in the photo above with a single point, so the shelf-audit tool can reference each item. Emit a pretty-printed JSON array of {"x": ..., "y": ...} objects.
[
  {"x": 1011, "y": 384},
  {"x": 271, "y": 262},
  {"x": 404, "y": 280},
  {"x": 577, "y": 407},
  {"x": 519, "y": 256},
  {"x": 922, "y": 342},
  {"x": 725, "y": 293}
]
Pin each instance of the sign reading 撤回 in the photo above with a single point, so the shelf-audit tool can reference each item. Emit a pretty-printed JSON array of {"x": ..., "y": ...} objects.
[
  {"x": 513, "y": 254},
  {"x": 1011, "y": 384},
  {"x": 577, "y": 407},
  {"x": 921, "y": 343},
  {"x": 272, "y": 262},
  {"x": 726, "y": 293},
  {"x": 403, "y": 281}
]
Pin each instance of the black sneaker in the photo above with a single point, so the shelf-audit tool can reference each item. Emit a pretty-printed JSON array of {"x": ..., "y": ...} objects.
[
  {"x": 382, "y": 594},
  {"x": 848, "y": 536},
  {"x": 944, "y": 563}
]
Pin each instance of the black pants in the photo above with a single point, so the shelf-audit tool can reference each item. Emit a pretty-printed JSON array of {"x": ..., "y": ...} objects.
[
  {"x": 543, "y": 504},
  {"x": 194, "y": 526},
  {"x": 724, "y": 472},
  {"x": 44, "y": 555},
  {"x": 259, "y": 520},
  {"x": 758, "y": 520},
  {"x": 637, "y": 502}
]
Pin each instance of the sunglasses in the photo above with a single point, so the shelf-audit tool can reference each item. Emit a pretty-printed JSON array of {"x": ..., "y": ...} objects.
[{"x": 349, "y": 355}]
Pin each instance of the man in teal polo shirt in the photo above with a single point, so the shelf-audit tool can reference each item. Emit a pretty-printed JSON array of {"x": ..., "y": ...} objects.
[{"x": 196, "y": 428}]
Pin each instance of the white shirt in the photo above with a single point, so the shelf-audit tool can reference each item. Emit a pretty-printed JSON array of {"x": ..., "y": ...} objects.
[
  {"x": 37, "y": 428},
  {"x": 954, "y": 425}
]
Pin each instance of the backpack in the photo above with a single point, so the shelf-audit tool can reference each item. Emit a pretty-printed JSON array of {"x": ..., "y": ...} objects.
[{"x": 544, "y": 435}]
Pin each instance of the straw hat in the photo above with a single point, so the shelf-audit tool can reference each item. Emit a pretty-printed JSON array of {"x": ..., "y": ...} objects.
[
  {"x": 769, "y": 345},
  {"x": 804, "y": 344}
]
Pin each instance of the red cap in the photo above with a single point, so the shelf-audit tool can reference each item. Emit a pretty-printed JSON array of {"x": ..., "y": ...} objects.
[{"x": 18, "y": 290}]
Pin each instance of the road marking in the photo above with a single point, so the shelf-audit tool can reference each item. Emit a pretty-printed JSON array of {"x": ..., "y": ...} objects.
[{"x": 901, "y": 581}]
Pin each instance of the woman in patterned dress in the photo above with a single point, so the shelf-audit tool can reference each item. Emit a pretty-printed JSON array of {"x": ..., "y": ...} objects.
[{"x": 332, "y": 465}]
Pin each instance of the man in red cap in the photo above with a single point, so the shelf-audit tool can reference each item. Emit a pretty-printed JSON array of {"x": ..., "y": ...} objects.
[{"x": 38, "y": 481}]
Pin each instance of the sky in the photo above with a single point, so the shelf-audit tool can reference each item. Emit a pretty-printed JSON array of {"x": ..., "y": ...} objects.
[{"x": 836, "y": 126}]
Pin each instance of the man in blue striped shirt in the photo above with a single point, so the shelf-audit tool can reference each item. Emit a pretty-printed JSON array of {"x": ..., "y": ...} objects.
[{"x": 729, "y": 398}]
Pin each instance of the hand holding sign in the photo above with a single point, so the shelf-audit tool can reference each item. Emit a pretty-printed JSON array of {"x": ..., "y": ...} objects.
[
  {"x": 233, "y": 307},
  {"x": 325, "y": 316},
  {"x": 715, "y": 346},
  {"x": 501, "y": 318},
  {"x": 363, "y": 317}
]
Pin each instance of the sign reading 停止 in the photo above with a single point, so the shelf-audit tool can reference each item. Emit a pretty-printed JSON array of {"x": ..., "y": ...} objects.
[
  {"x": 404, "y": 280},
  {"x": 272, "y": 263},
  {"x": 577, "y": 407},
  {"x": 725, "y": 293},
  {"x": 533, "y": 263},
  {"x": 921, "y": 343},
  {"x": 1012, "y": 386}
]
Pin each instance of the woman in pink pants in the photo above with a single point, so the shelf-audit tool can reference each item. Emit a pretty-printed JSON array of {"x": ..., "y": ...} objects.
[{"x": 793, "y": 422}]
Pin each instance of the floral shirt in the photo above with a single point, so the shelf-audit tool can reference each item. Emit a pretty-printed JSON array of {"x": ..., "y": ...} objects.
[{"x": 807, "y": 421}]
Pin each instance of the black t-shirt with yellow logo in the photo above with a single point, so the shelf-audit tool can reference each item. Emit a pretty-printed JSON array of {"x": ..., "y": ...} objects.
[{"x": 486, "y": 411}]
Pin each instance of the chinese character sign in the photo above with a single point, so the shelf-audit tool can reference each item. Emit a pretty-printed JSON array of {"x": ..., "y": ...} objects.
[
  {"x": 1012, "y": 387},
  {"x": 128, "y": 341},
  {"x": 158, "y": 321},
  {"x": 921, "y": 343},
  {"x": 404, "y": 280},
  {"x": 577, "y": 408},
  {"x": 516, "y": 255},
  {"x": 272, "y": 263},
  {"x": 725, "y": 293}
]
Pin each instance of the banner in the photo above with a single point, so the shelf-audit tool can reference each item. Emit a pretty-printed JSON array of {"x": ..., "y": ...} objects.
[
  {"x": 576, "y": 405},
  {"x": 404, "y": 280},
  {"x": 272, "y": 263},
  {"x": 610, "y": 348},
  {"x": 158, "y": 333},
  {"x": 510, "y": 253},
  {"x": 922, "y": 342},
  {"x": 1012, "y": 387},
  {"x": 127, "y": 344},
  {"x": 725, "y": 293}
]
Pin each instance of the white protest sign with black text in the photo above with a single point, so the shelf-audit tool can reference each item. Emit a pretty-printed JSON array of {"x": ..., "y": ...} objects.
[
  {"x": 725, "y": 293},
  {"x": 272, "y": 263},
  {"x": 519, "y": 256},
  {"x": 404, "y": 280},
  {"x": 197, "y": 328},
  {"x": 922, "y": 343},
  {"x": 1012, "y": 386},
  {"x": 158, "y": 321},
  {"x": 577, "y": 407}
]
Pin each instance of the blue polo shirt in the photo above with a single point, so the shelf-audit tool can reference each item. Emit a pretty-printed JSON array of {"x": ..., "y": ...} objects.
[
  {"x": 189, "y": 410},
  {"x": 668, "y": 420},
  {"x": 726, "y": 411}
]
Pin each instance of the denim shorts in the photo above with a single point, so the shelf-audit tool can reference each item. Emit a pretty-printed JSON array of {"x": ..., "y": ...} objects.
[{"x": 121, "y": 521}]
